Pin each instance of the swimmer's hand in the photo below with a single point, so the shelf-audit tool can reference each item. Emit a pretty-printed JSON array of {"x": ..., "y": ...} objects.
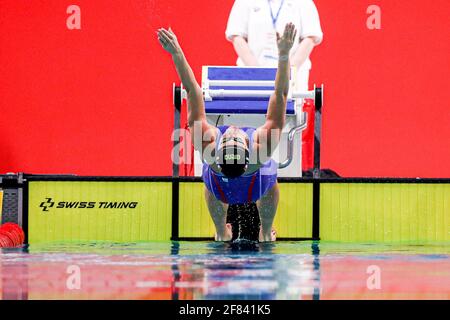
[
  {"x": 286, "y": 41},
  {"x": 168, "y": 41}
]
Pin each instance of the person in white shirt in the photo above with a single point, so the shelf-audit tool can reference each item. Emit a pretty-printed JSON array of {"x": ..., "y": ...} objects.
[{"x": 252, "y": 28}]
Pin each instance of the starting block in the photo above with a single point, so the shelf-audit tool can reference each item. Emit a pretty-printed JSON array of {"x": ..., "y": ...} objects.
[{"x": 239, "y": 96}]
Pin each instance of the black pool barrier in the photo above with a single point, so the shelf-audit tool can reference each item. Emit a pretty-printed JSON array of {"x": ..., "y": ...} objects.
[
  {"x": 20, "y": 207},
  {"x": 12, "y": 186}
]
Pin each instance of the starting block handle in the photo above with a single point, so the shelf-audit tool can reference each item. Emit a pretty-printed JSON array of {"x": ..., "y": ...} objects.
[
  {"x": 241, "y": 83},
  {"x": 290, "y": 142},
  {"x": 179, "y": 93},
  {"x": 318, "y": 97},
  {"x": 222, "y": 93},
  {"x": 176, "y": 92}
]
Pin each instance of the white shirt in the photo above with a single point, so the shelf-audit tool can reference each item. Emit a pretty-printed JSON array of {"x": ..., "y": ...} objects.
[{"x": 252, "y": 20}]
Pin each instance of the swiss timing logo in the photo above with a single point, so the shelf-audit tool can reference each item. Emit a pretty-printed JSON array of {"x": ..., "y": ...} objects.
[
  {"x": 114, "y": 205},
  {"x": 47, "y": 204}
]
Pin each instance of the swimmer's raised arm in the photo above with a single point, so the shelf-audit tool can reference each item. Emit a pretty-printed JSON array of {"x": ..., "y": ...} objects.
[
  {"x": 196, "y": 106},
  {"x": 268, "y": 135}
]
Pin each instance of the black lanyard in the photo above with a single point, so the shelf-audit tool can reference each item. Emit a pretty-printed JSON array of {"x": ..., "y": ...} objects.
[{"x": 274, "y": 19}]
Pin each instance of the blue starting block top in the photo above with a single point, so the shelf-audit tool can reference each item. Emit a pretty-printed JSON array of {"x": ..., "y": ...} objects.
[{"x": 242, "y": 105}]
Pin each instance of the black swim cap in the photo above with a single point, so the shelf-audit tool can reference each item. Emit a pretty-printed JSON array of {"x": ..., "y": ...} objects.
[{"x": 232, "y": 160}]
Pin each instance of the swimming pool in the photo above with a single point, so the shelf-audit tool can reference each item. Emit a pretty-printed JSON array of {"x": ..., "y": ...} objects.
[{"x": 302, "y": 270}]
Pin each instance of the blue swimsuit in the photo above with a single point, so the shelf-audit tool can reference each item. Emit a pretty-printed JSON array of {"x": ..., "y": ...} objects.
[{"x": 243, "y": 189}]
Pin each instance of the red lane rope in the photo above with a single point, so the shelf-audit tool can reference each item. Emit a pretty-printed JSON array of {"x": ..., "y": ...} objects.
[{"x": 11, "y": 235}]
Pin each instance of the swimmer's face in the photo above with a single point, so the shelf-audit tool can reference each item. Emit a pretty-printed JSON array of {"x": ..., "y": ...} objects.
[{"x": 234, "y": 136}]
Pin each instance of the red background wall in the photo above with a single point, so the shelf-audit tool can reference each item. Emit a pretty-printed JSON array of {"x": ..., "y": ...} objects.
[{"x": 97, "y": 101}]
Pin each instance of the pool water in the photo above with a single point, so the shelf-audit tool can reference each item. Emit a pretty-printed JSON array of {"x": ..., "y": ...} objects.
[{"x": 211, "y": 270}]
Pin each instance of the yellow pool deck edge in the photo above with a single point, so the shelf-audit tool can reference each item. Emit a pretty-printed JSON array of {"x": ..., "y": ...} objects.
[
  {"x": 384, "y": 212},
  {"x": 349, "y": 212}
]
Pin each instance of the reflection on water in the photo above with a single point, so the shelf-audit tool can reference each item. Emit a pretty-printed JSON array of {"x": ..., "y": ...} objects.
[{"x": 213, "y": 270}]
